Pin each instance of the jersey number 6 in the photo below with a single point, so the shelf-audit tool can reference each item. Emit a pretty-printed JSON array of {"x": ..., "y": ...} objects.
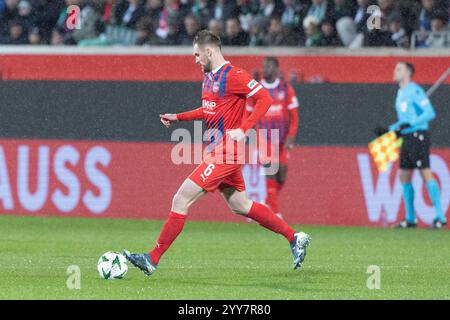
[{"x": 207, "y": 171}]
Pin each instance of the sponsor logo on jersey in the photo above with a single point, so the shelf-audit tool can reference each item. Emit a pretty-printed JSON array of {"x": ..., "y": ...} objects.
[
  {"x": 209, "y": 105},
  {"x": 275, "y": 109}
]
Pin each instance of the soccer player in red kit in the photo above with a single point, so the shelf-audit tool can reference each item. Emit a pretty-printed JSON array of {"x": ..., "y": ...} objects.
[
  {"x": 224, "y": 94},
  {"x": 283, "y": 116}
]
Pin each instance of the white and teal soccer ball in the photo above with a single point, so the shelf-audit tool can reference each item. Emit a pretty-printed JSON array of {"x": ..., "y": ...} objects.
[{"x": 112, "y": 265}]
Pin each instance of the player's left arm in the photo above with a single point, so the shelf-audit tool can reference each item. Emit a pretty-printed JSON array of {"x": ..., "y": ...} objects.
[
  {"x": 242, "y": 84},
  {"x": 263, "y": 101},
  {"x": 422, "y": 101},
  {"x": 249, "y": 107},
  {"x": 293, "y": 118}
]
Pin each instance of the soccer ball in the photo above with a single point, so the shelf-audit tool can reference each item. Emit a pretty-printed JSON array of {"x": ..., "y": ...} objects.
[{"x": 112, "y": 265}]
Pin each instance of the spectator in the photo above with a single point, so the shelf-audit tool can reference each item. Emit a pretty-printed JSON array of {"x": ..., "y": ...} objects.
[
  {"x": 128, "y": 13},
  {"x": 234, "y": 35},
  {"x": 170, "y": 12},
  {"x": 10, "y": 13},
  {"x": 57, "y": 36},
  {"x": 387, "y": 7},
  {"x": 269, "y": 8},
  {"x": 439, "y": 20},
  {"x": 351, "y": 31},
  {"x": 204, "y": 10},
  {"x": 173, "y": 35},
  {"x": 191, "y": 27},
  {"x": 34, "y": 36},
  {"x": 439, "y": 23},
  {"x": 314, "y": 36},
  {"x": 91, "y": 26},
  {"x": 24, "y": 15},
  {"x": 399, "y": 37},
  {"x": 342, "y": 8},
  {"x": 153, "y": 10},
  {"x": 319, "y": 9},
  {"x": 330, "y": 37},
  {"x": 382, "y": 36},
  {"x": 144, "y": 32},
  {"x": 107, "y": 8},
  {"x": 278, "y": 35},
  {"x": 46, "y": 17},
  {"x": 425, "y": 14},
  {"x": 257, "y": 31},
  {"x": 292, "y": 14},
  {"x": 223, "y": 10},
  {"x": 216, "y": 26},
  {"x": 237, "y": 22},
  {"x": 17, "y": 33},
  {"x": 245, "y": 11},
  {"x": 185, "y": 8},
  {"x": 409, "y": 11},
  {"x": 361, "y": 15}
]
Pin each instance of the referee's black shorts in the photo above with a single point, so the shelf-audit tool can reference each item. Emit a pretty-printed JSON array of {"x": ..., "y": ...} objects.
[{"x": 415, "y": 150}]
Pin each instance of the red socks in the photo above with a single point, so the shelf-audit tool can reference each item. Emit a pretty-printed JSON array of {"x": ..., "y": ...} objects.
[
  {"x": 268, "y": 219},
  {"x": 169, "y": 233},
  {"x": 258, "y": 212},
  {"x": 273, "y": 188}
]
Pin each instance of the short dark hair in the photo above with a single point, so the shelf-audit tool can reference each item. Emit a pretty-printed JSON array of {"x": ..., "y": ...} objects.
[
  {"x": 440, "y": 14},
  {"x": 207, "y": 37},
  {"x": 273, "y": 60},
  {"x": 410, "y": 67}
]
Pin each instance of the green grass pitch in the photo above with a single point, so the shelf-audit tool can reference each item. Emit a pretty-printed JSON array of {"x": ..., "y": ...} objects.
[{"x": 220, "y": 261}]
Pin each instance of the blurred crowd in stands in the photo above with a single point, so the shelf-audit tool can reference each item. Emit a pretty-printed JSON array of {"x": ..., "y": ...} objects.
[{"x": 301, "y": 23}]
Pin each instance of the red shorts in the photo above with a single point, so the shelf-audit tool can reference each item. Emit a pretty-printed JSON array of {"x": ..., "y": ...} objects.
[{"x": 212, "y": 176}]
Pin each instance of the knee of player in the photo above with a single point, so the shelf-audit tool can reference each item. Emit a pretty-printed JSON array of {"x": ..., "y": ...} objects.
[
  {"x": 179, "y": 201},
  {"x": 240, "y": 207}
]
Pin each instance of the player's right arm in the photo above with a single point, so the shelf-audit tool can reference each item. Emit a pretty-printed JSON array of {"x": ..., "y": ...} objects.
[{"x": 168, "y": 118}]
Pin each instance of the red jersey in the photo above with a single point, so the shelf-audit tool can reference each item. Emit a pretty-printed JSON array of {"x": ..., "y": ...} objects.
[
  {"x": 278, "y": 115},
  {"x": 224, "y": 95}
]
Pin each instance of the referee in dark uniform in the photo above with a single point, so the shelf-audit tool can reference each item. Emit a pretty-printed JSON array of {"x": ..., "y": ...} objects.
[{"x": 414, "y": 112}]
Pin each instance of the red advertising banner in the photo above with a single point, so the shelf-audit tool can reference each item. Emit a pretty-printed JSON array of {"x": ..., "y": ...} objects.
[
  {"x": 341, "y": 69},
  {"x": 326, "y": 185}
]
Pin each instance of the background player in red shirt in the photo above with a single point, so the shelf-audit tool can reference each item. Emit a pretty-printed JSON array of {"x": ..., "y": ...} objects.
[
  {"x": 282, "y": 115},
  {"x": 224, "y": 94}
]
